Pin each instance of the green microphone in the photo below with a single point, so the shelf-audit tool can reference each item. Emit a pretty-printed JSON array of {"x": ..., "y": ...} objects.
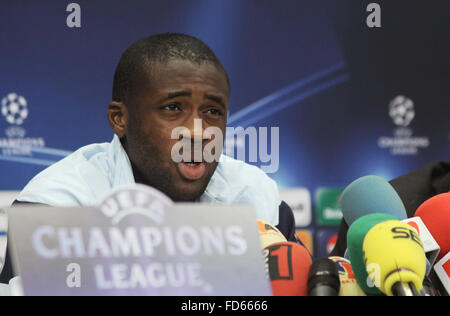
[{"x": 355, "y": 239}]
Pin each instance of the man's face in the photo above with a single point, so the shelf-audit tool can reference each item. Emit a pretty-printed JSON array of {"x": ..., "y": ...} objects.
[{"x": 174, "y": 95}]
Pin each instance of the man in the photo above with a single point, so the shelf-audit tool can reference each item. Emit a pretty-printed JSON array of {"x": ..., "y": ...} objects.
[{"x": 162, "y": 83}]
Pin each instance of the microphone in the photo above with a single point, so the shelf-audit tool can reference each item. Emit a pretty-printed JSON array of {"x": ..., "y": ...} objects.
[
  {"x": 435, "y": 214},
  {"x": 355, "y": 238},
  {"x": 349, "y": 285},
  {"x": 323, "y": 278},
  {"x": 363, "y": 197},
  {"x": 429, "y": 264},
  {"x": 395, "y": 259},
  {"x": 370, "y": 194},
  {"x": 269, "y": 234},
  {"x": 442, "y": 269},
  {"x": 288, "y": 265}
]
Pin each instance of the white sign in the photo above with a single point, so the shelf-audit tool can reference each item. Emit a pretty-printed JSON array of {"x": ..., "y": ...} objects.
[
  {"x": 299, "y": 199},
  {"x": 137, "y": 242}
]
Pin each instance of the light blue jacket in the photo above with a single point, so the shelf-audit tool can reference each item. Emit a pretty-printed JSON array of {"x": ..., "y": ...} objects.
[{"x": 90, "y": 173}]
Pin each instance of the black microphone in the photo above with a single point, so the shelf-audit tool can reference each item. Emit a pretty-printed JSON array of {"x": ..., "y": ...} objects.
[{"x": 323, "y": 278}]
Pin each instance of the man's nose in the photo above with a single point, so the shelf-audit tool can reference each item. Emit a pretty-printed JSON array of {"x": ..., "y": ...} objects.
[
  {"x": 195, "y": 130},
  {"x": 192, "y": 138}
]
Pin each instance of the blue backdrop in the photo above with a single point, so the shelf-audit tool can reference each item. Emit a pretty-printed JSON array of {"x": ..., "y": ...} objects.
[{"x": 312, "y": 68}]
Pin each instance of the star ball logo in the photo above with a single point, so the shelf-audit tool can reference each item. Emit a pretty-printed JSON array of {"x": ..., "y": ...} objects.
[
  {"x": 403, "y": 142},
  {"x": 14, "y": 108},
  {"x": 401, "y": 110}
]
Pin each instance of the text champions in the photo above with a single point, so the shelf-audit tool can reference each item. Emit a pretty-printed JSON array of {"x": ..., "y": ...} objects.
[{"x": 147, "y": 244}]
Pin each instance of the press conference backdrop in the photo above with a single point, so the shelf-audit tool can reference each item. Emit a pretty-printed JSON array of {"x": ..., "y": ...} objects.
[{"x": 349, "y": 99}]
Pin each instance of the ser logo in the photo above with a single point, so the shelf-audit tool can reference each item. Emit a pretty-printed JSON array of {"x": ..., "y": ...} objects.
[{"x": 406, "y": 233}]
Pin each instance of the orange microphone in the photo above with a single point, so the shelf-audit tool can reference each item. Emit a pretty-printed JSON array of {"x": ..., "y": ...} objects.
[{"x": 288, "y": 266}]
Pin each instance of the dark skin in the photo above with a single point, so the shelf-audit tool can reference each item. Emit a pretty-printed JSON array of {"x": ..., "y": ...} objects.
[{"x": 173, "y": 95}]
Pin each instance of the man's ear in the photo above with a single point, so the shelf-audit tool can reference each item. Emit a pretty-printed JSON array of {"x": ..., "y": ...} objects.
[{"x": 118, "y": 118}]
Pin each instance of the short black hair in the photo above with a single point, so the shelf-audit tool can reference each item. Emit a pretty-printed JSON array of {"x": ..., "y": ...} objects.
[{"x": 158, "y": 48}]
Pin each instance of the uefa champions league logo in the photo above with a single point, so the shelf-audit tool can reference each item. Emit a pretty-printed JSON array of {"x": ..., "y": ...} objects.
[
  {"x": 14, "y": 143},
  {"x": 14, "y": 109},
  {"x": 401, "y": 110},
  {"x": 403, "y": 141},
  {"x": 134, "y": 200}
]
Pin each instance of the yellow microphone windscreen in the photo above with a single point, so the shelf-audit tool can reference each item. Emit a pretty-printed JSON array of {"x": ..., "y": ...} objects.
[{"x": 393, "y": 253}]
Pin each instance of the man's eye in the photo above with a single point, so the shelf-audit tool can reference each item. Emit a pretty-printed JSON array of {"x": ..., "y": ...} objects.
[
  {"x": 172, "y": 107},
  {"x": 214, "y": 112}
]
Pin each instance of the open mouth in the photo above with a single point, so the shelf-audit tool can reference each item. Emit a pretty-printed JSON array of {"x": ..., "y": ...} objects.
[{"x": 192, "y": 170}]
